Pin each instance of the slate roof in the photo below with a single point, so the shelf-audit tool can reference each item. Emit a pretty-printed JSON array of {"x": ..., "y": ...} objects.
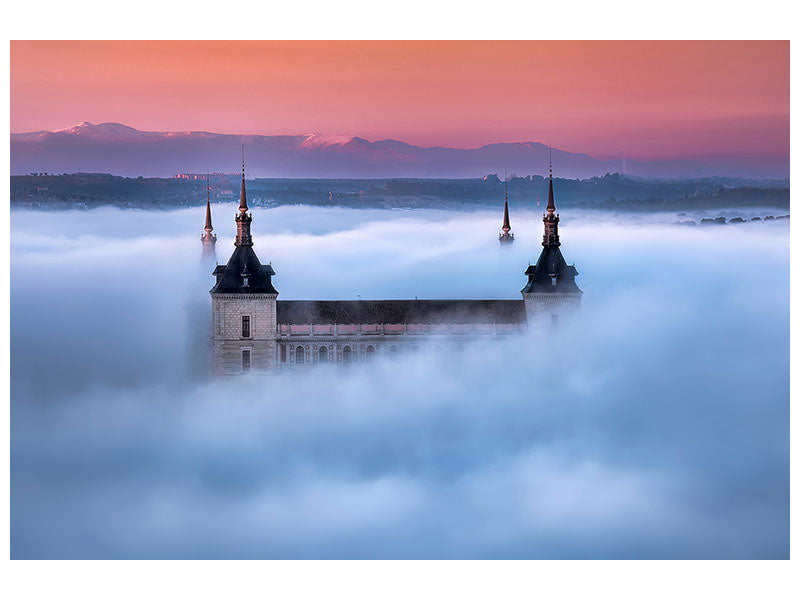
[
  {"x": 400, "y": 311},
  {"x": 551, "y": 263},
  {"x": 229, "y": 277}
]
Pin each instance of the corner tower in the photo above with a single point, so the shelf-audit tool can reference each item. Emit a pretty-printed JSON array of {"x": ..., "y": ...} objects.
[
  {"x": 244, "y": 303},
  {"x": 551, "y": 289}
]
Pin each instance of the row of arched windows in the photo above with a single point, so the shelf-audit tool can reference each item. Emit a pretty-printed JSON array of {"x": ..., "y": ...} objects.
[{"x": 347, "y": 353}]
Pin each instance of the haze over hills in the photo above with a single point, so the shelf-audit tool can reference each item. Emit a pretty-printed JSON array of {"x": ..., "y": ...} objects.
[{"x": 121, "y": 150}]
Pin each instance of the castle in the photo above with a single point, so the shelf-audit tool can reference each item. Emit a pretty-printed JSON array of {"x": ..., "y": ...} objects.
[{"x": 253, "y": 330}]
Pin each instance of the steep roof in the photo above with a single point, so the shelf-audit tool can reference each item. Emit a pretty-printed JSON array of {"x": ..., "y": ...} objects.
[
  {"x": 401, "y": 311},
  {"x": 209, "y": 226},
  {"x": 551, "y": 264},
  {"x": 230, "y": 280}
]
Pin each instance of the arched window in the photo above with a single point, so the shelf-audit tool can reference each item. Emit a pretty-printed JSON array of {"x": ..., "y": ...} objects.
[
  {"x": 370, "y": 352},
  {"x": 393, "y": 352},
  {"x": 346, "y": 354},
  {"x": 300, "y": 355},
  {"x": 323, "y": 354}
]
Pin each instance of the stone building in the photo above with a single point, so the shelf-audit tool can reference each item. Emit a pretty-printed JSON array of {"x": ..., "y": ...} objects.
[{"x": 253, "y": 330}]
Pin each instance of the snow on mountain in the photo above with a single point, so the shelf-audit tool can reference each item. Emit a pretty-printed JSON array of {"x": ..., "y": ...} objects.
[{"x": 122, "y": 150}]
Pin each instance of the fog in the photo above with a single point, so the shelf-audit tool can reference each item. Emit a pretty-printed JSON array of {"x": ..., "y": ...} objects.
[{"x": 652, "y": 424}]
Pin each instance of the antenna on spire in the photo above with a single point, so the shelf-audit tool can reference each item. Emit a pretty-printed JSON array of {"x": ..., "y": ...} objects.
[
  {"x": 506, "y": 181},
  {"x": 242, "y": 161},
  {"x": 550, "y": 150}
]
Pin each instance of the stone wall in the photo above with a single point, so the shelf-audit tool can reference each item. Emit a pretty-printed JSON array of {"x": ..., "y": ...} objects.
[
  {"x": 229, "y": 343},
  {"x": 544, "y": 308}
]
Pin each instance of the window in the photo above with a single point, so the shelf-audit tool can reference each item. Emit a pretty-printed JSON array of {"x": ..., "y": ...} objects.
[
  {"x": 323, "y": 354},
  {"x": 283, "y": 353},
  {"x": 347, "y": 354},
  {"x": 393, "y": 352},
  {"x": 245, "y": 360},
  {"x": 553, "y": 277},
  {"x": 246, "y": 326},
  {"x": 370, "y": 352},
  {"x": 300, "y": 355}
]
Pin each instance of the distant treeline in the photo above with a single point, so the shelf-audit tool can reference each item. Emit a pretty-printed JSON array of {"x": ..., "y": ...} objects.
[{"x": 612, "y": 191}]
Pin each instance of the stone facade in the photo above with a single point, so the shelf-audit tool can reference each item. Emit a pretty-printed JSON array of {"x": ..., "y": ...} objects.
[{"x": 244, "y": 329}]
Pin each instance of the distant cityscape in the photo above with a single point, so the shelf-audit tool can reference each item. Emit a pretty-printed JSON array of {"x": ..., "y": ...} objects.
[{"x": 609, "y": 192}]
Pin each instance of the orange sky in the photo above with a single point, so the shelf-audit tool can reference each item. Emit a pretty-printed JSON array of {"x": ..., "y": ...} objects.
[{"x": 637, "y": 99}]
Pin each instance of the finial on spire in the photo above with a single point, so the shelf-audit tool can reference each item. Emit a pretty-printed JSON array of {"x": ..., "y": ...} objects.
[
  {"x": 550, "y": 150},
  {"x": 506, "y": 182}
]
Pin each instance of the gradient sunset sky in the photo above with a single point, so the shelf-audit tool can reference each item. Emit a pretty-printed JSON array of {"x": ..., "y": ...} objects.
[{"x": 644, "y": 100}]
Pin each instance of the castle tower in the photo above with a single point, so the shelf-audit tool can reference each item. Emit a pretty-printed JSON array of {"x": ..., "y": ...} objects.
[
  {"x": 208, "y": 239},
  {"x": 244, "y": 304},
  {"x": 506, "y": 237},
  {"x": 551, "y": 289}
]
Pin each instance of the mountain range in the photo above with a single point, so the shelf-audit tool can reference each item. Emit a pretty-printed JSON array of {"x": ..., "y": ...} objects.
[{"x": 122, "y": 150}]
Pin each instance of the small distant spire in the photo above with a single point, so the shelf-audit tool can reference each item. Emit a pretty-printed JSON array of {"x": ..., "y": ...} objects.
[
  {"x": 208, "y": 238},
  {"x": 506, "y": 236},
  {"x": 209, "y": 227}
]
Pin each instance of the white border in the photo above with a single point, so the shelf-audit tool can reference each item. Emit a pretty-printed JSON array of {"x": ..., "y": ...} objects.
[{"x": 413, "y": 19}]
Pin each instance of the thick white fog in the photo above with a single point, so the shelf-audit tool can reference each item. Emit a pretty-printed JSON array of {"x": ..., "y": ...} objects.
[{"x": 654, "y": 424}]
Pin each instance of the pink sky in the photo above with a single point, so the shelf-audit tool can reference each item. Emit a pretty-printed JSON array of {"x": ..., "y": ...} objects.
[{"x": 645, "y": 100}]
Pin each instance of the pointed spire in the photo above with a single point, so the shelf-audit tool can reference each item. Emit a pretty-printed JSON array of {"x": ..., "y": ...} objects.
[
  {"x": 506, "y": 223},
  {"x": 209, "y": 227},
  {"x": 243, "y": 196},
  {"x": 243, "y": 219},
  {"x": 551, "y": 204},
  {"x": 550, "y": 238}
]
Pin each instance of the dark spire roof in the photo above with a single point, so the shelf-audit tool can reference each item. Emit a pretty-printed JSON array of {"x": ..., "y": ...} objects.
[
  {"x": 551, "y": 274},
  {"x": 209, "y": 227},
  {"x": 551, "y": 204},
  {"x": 243, "y": 196},
  {"x": 244, "y": 263},
  {"x": 506, "y": 222},
  {"x": 244, "y": 273}
]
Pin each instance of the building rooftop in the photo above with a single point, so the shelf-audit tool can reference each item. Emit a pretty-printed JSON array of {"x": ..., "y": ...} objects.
[{"x": 400, "y": 311}]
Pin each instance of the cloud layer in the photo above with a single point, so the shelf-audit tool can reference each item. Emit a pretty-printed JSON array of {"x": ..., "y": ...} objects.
[{"x": 654, "y": 424}]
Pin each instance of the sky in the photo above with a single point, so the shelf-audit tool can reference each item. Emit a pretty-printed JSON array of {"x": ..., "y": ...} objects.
[
  {"x": 652, "y": 424},
  {"x": 643, "y": 100}
]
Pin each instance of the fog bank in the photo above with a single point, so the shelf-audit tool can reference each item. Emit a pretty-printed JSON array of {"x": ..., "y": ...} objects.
[{"x": 654, "y": 424}]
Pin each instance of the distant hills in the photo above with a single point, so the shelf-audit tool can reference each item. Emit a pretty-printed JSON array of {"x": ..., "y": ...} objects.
[{"x": 122, "y": 150}]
